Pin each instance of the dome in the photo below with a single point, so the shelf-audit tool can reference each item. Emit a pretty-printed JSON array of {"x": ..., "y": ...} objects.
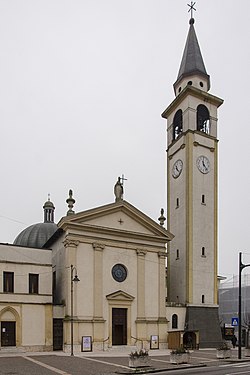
[{"x": 37, "y": 235}]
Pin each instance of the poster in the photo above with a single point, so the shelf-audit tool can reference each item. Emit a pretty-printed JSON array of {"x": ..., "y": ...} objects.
[
  {"x": 86, "y": 343},
  {"x": 154, "y": 342}
]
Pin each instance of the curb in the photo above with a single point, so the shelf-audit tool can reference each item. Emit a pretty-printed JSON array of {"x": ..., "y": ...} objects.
[{"x": 153, "y": 370}]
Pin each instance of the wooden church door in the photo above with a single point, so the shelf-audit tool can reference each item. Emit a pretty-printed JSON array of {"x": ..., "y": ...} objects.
[{"x": 119, "y": 326}]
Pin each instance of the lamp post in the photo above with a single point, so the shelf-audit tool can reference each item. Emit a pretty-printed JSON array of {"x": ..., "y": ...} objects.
[
  {"x": 72, "y": 280},
  {"x": 241, "y": 267}
]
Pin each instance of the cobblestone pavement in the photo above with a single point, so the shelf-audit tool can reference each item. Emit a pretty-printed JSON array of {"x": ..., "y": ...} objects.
[{"x": 102, "y": 363}]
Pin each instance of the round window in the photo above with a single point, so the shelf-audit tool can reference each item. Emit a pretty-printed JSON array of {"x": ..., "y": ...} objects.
[{"x": 119, "y": 272}]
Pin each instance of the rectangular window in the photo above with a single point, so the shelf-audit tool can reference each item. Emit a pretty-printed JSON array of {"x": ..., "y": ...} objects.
[
  {"x": 33, "y": 283},
  {"x": 177, "y": 203},
  {"x": 8, "y": 282}
]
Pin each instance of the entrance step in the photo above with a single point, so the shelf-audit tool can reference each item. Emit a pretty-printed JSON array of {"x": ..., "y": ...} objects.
[
  {"x": 123, "y": 348},
  {"x": 11, "y": 349}
]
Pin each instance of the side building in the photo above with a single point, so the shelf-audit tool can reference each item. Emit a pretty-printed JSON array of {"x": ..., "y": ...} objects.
[{"x": 25, "y": 298}]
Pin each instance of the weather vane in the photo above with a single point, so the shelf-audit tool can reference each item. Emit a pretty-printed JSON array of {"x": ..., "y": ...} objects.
[{"x": 191, "y": 6}]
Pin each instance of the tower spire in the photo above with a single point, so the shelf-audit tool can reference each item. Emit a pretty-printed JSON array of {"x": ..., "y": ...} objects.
[{"x": 192, "y": 64}]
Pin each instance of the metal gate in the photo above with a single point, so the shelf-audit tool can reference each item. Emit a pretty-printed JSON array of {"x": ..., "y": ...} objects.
[{"x": 57, "y": 334}]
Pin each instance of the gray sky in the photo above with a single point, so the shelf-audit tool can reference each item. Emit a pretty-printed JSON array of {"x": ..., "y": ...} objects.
[{"x": 83, "y": 84}]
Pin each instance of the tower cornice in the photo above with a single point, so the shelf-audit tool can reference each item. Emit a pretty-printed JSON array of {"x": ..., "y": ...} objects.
[{"x": 190, "y": 90}]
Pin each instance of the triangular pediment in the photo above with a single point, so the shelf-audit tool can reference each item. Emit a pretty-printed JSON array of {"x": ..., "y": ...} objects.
[
  {"x": 119, "y": 295},
  {"x": 119, "y": 216}
]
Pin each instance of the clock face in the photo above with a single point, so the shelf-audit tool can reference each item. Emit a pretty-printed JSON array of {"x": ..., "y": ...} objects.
[
  {"x": 119, "y": 272},
  {"x": 177, "y": 168},
  {"x": 203, "y": 164}
]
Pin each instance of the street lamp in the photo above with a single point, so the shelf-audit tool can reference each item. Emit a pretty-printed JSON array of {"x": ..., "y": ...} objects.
[
  {"x": 241, "y": 267},
  {"x": 72, "y": 280}
]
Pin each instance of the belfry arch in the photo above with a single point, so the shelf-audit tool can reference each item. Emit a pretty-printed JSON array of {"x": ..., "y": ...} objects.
[{"x": 203, "y": 119}]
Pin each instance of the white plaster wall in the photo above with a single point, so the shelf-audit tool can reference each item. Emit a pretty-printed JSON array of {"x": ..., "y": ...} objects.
[
  {"x": 14, "y": 253},
  {"x": 203, "y": 228},
  {"x": 195, "y": 82},
  {"x": 177, "y": 269},
  {"x": 23, "y": 261},
  {"x": 58, "y": 264},
  {"x": 151, "y": 285},
  {"x": 85, "y": 287},
  {"x": 112, "y": 221},
  {"x": 181, "y": 313},
  {"x": 33, "y": 325},
  {"x": 128, "y": 258}
]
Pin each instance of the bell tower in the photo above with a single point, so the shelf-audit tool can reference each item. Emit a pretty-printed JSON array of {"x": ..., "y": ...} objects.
[{"x": 192, "y": 190}]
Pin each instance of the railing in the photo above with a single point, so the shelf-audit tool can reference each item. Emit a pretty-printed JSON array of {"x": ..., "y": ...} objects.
[
  {"x": 103, "y": 343},
  {"x": 136, "y": 339}
]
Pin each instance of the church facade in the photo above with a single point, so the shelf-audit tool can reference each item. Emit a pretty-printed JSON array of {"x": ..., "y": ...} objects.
[{"x": 118, "y": 255}]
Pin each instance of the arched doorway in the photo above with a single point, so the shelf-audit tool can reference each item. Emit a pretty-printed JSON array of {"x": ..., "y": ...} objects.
[
  {"x": 189, "y": 340},
  {"x": 10, "y": 327}
]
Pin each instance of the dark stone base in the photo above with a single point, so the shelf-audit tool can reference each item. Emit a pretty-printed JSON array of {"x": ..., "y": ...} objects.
[{"x": 206, "y": 321}]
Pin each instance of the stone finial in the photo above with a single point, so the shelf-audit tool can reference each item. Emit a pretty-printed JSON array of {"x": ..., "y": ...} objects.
[
  {"x": 162, "y": 217},
  {"x": 70, "y": 201},
  {"x": 118, "y": 190}
]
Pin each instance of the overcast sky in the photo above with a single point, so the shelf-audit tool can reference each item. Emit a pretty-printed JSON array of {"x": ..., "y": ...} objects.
[{"x": 83, "y": 84}]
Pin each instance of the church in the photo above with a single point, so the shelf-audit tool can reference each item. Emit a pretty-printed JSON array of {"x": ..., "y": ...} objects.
[{"x": 111, "y": 276}]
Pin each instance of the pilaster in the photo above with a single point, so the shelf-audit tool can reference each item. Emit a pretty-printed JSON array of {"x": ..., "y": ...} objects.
[
  {"x": 98, "y": 320},
  {"x": 70, "y": 258},
  {"x": 141, "y": 253},
  {"x": 162, "y": 284},
  {"x": 98, "y": 279}
]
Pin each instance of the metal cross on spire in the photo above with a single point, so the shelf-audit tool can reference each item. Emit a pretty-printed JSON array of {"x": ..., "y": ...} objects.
[{"x": 192, "y": 8}]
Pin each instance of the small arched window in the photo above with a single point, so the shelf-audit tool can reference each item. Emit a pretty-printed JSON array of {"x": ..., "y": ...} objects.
[
  {"x": 177, "y": 124},
  {"x": 174, "y": 321},
  {"x": 203, "y": 119}
]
